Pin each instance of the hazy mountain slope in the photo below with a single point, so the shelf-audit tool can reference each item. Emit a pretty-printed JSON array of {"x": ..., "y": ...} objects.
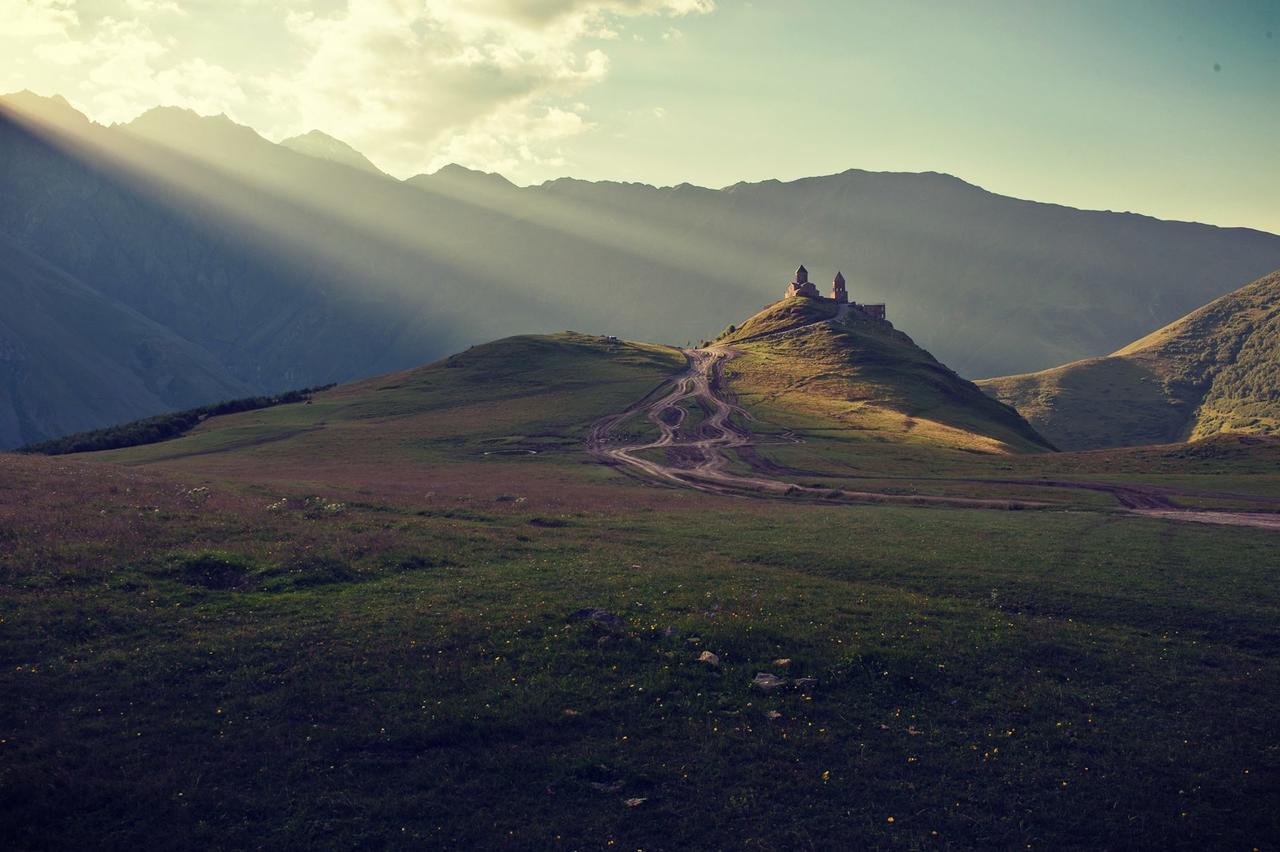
[
  {"x": 865, "y": 376},
  {"x": 324, "y": 304},
  {"x": 293, "y": 270},
  {"x": 985, "y": 280},
  {"x": 982, "y": 280},
  {"x": 1215, "y": 370},
  {"x": 72, "y": 359}
]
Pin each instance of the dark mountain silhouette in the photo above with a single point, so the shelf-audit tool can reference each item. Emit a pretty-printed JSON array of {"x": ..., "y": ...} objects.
[{"x": 292, "y": 268}]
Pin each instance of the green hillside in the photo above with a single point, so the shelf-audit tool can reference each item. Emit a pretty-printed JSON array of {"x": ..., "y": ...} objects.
[
  {"x": 864, "y": 376},
  {"x": 527, "y": 394},
  {"x": 1215, "y": 370}
]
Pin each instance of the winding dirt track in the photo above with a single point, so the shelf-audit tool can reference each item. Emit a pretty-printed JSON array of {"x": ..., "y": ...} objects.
[{"x": 698, "y": 457}]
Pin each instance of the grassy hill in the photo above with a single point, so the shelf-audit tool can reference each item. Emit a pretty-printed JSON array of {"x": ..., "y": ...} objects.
[
  {"x": 1215, "y": 370},
  {"x": 863, "y": 377},
  {"x": 525, "y": 395},
  {"x": 858, "y": 379}
]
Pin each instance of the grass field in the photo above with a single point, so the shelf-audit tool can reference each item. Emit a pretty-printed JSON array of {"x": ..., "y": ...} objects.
[{"x": 352, "y": 624}]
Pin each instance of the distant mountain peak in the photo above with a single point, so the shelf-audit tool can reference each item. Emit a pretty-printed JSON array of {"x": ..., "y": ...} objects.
[
  {"x": 456, "y": 178},
  {"x": 174, "y": 125},
  {"x": 455, "y": 170},
  {"x": 322, "y": 146},
  {"x": 51, "y": 109}
]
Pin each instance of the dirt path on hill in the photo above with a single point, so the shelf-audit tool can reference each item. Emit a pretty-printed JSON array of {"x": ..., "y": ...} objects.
[{"x": 699, "y": 457}]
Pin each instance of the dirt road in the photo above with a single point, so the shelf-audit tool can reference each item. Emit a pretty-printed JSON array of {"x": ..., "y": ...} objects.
[{"x": 699, "y": 456}]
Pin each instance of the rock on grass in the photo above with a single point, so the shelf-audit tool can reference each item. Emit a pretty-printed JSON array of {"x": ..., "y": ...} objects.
[{"x": 766, "y": 682}]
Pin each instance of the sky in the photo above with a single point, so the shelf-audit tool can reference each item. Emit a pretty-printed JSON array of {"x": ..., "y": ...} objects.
[{"x": 1166, "y": 108}]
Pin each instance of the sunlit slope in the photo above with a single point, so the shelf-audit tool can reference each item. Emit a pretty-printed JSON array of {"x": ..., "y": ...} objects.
[
  {"x": 1215, "y": 370},
  {"x": 527, "y": 395},
  {"x": 865, "y": 378}
]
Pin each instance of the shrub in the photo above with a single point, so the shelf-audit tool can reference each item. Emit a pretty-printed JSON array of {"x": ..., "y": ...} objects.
[
  {"x": 162, "y": 427},
  {"x": 214, "y": 570},
  {"x": 309, "y": 571}
]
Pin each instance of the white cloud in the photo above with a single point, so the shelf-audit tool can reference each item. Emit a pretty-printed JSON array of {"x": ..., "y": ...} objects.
[
  {"x": 120, "y": 68},
  {"x": 36, "y": 19},
  {"x": 154, "y": 7},
  {"x": 484, "y": 82},
  {"x": 491, "y": 83}
]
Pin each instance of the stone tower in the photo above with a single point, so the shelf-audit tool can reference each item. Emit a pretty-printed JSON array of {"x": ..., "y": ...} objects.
[
  {"x": 838, "y": 291},
  {"x": 802, "y": 286}
]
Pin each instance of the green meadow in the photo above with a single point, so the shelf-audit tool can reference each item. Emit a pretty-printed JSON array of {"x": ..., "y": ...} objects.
[
  {"x": 413, "y": 613},
  {"x": 330, "y": 676}
]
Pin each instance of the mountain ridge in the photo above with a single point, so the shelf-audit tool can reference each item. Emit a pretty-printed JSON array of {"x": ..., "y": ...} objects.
[
  {"x": 31, "y": 99},
  {"x": 1217, "y": 369}
]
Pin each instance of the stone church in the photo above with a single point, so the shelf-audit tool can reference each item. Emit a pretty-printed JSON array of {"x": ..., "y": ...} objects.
[{"x": 804, "y": 288}]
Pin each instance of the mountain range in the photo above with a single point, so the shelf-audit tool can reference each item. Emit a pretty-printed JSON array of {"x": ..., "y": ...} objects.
[{"x": 180, "y": 259}]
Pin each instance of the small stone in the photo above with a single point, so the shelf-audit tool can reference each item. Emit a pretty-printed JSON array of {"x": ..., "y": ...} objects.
[
  {"x": 709, "y": 658},
  {"x": 598, "y": 616},
  {"x": 782, "y": 661},
  {"x": 774, "y": 715},
  {"x": 766, "y": 682},
  {"x": 635, "y": 803},
  {"x": 570, "y": 712}
]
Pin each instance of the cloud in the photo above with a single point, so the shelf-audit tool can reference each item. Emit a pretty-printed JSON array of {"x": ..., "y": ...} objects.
[
  {"x": 484, "y": 81},
  {"x": 37, "y": 19},
  {"x": 154, "y": 7},
  {"x": 121, "y": 68},
  {"x": 507, "y": 141},
  {"x": 490, "y": 83}
]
